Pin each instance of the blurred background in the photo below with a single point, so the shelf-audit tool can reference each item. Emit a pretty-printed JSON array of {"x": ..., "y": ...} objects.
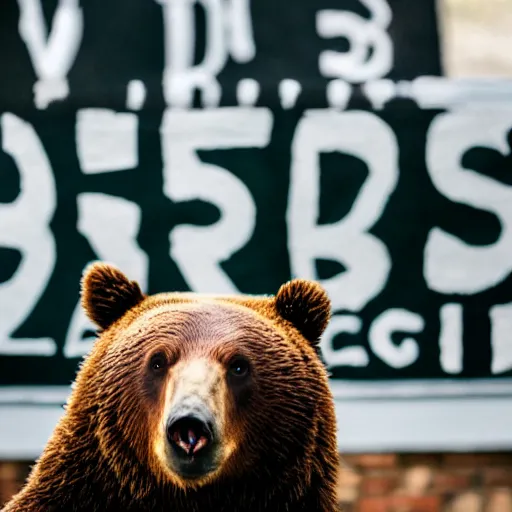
[{"x": 227, "y": 147}]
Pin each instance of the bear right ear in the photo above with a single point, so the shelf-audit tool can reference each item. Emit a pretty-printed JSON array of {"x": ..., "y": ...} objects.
[
  {"x": 306, "y": 306},
  {"x": 107, "y": 294}
]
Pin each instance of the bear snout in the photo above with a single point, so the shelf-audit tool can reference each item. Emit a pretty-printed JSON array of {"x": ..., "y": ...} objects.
[
  {"x": 193, "y": 440},
  {"x": 190, "y": 431}
]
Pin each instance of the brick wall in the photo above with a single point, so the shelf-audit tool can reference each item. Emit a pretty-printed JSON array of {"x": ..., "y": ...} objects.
[
  {"x": 426, "y": 483},
  {"x": 393, "y": 483}
]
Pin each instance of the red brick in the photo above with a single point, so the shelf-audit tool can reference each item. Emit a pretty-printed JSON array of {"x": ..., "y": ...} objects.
[
  {"x": 377, "y": 485},
  {"x": 477, "y": 459},
  {"x": 8, "y": 488},
  {"x": 9, "y": 471},
  {"x": 373, "y": 461},
  {"x": 416, "y": 481},
  {"x": 500, "y": 500},
  {"x": 497, "y": 477},
  {"x": 470, "y": 501},
  {"x": 421, "y": 459},
  {"x": 348, "y": 486},
  {"x": 400, "y": 504},
  {"x": 445, "y": 482}
]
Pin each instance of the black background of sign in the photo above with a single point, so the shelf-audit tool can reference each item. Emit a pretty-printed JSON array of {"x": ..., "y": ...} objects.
[
  {"x": 122, "y": 43},
  {"x": 263, "y": 264}
]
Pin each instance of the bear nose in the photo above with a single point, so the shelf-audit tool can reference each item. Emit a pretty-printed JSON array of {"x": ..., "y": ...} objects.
[{"x": 189, "y": 433}]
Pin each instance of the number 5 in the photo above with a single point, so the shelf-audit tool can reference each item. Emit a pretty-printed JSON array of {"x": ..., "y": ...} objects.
[{"x": 199, "y": 250}]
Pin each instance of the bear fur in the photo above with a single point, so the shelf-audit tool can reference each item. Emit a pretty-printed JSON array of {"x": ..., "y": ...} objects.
[{"x": 275, "y": 443}]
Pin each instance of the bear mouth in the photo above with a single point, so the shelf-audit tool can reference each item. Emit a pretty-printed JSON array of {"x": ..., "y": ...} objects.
[
  {"x": 192, "y": 441},
  {"x": 189, "y": 436}
]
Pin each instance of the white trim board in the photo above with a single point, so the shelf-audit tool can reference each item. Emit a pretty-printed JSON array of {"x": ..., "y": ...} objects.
[
  {"x": 401, "y": 416},
  {"x": 419, "y": 389},
  {"x": 372, "y": 425},
  {"x": 429, "y": 425}
]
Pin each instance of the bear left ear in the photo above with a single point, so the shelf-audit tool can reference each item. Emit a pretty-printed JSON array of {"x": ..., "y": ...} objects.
[
  {"x": 107, "y": 294},
  {"x": 306, "y": 305}
]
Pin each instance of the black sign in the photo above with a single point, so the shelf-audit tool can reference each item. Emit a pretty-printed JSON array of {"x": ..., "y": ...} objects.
[
  {"x": 305, "y": 157},
  {"x": 90, "y": 53}
]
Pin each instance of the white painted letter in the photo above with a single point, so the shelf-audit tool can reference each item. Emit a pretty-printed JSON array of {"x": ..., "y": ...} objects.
[
  {"x": 501, "y": 338},
  {"x": 450, "y": 265},
  {"x": 106, "y": 141},
  {"x": 24, "y": 226},
  {"x": 111, "y": 225},
  {"x": 347, "y": 356},
  {"x": 364, "y": 35},
  {"x": 52, "y": 55},
  {"x": 347, "y": 241},
  {"x": 228, "y": 32},
  {"x": 389, "y": 322},
  {"x": 450, "y": 338},
  {"x": 199, "y": 250}
]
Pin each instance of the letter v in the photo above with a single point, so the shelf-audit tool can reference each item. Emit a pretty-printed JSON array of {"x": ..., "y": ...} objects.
[{"x": 52, "y": 56}]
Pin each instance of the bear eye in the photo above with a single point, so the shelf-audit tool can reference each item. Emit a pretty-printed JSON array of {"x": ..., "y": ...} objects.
[
  {"x": 238, "y": 367},
  {"x": 158, "y": 363}
]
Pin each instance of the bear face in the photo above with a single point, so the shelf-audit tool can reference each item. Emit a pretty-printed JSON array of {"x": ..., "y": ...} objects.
[
  {"x": 189, "y": 399},
  {"x": 207, "y": 389}
]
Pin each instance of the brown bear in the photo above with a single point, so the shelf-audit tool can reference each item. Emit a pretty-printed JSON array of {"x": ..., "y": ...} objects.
[{"x": 190, "y": 402}]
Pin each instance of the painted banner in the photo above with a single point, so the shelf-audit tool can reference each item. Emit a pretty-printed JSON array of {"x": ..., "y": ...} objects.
[{"x": 226, "y": 146}]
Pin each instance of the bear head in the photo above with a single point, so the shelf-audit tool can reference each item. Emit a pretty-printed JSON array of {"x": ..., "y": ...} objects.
[{"x": 197, "y": 389}]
